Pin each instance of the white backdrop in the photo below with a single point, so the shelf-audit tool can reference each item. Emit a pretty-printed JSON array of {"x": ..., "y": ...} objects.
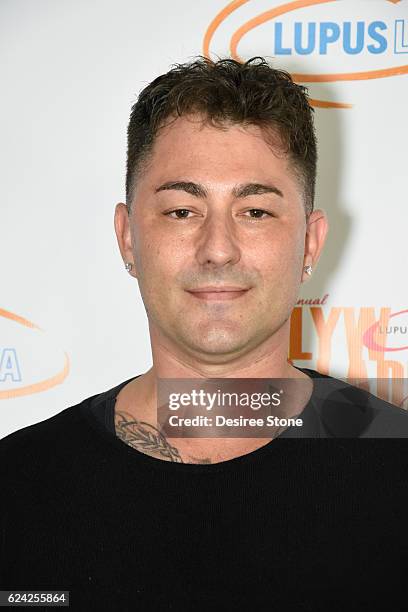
[{"x": 72, "y": 322}]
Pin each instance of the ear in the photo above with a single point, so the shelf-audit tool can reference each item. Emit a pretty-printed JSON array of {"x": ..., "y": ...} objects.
[
  {"x": 123, "y": 235},
  {"x": 316, "y": 232}
]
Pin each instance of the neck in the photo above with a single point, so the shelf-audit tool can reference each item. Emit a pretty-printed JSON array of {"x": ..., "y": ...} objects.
[{"x": 267, "y": 360}]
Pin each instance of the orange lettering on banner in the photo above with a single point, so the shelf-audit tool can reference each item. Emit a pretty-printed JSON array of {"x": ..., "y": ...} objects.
[
  {"x": 386, "y": 368},
  {"x": 325, "y": 331},
  {"x": 295, "y": 342},
  {"x": 389, "y": 379},
  {"x": 390, "y": 373},
  {"x": 354, "y": 336}
]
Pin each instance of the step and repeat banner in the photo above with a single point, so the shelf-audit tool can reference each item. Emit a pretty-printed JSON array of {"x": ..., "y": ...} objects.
[{"x": 72, "y": 321}]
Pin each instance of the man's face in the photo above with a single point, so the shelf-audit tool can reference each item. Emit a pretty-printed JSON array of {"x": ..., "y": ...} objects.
[{"x": 219, "y": 177}]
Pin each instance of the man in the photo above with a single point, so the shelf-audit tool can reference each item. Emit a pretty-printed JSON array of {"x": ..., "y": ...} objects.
[{"x": 219, "y": 230}]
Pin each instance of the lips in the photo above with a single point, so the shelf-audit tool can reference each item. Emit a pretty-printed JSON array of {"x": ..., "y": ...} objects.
[
  {"x": 218, "y": 288},
  {"x": 218, "y": 293}
]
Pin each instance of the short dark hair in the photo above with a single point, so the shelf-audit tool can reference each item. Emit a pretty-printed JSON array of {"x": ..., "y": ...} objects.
[{"x": 227, "y": 91}]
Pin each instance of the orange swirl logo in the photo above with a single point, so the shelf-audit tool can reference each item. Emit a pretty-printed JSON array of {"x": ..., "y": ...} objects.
[
  {"x": 330, "y": 38},
  {"x": 19, "y": 358}
]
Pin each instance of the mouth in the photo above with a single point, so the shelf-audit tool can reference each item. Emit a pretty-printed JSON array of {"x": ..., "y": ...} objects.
[{"x": 218, "y": 294}]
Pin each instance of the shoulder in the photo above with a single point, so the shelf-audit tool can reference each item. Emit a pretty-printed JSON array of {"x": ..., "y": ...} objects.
[
  {"x": 49, "y": 444},
  {"x": 59, "y": 438},
  {"x": 31, "y": 441},
  {"x": 350, "y": 411},
  {"x": 57, "y": 428}
]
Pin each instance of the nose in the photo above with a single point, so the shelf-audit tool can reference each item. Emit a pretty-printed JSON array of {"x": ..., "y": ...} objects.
[{"x": 218, "y": 241}]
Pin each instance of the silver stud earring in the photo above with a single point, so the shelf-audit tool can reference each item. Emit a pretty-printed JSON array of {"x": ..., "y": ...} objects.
[
  {"x": 308, "y": 270},
  {"x": 128, "y": 266}
]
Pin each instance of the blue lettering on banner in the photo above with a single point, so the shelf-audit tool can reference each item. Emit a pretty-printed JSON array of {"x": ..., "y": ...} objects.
[
  {"x": 9, "y": 365},
  {"x": 359, "y": 44},
  {"x": 379, "y": 38},
  {"x": 401, "y": 36},
  {"x": 311, "y": 38},
  {"x": 329, "y": 33},
  {"x": 279, "y": 50},
  {"x": 353, "y": 37}
]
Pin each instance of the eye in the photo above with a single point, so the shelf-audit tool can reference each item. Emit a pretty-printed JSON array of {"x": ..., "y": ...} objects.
[
  {"x": 259, "y": 210},
  {"x": 178, "y": 210}
]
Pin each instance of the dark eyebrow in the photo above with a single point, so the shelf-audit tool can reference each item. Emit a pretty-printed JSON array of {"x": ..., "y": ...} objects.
[
  {"x": 239, "y": 191},
  {"x": 191, "y": 188},
  {"x": 242, "y": 191}
]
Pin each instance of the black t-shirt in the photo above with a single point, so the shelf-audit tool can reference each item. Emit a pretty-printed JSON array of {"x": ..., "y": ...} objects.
[{"x": 298, "y": 524}]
